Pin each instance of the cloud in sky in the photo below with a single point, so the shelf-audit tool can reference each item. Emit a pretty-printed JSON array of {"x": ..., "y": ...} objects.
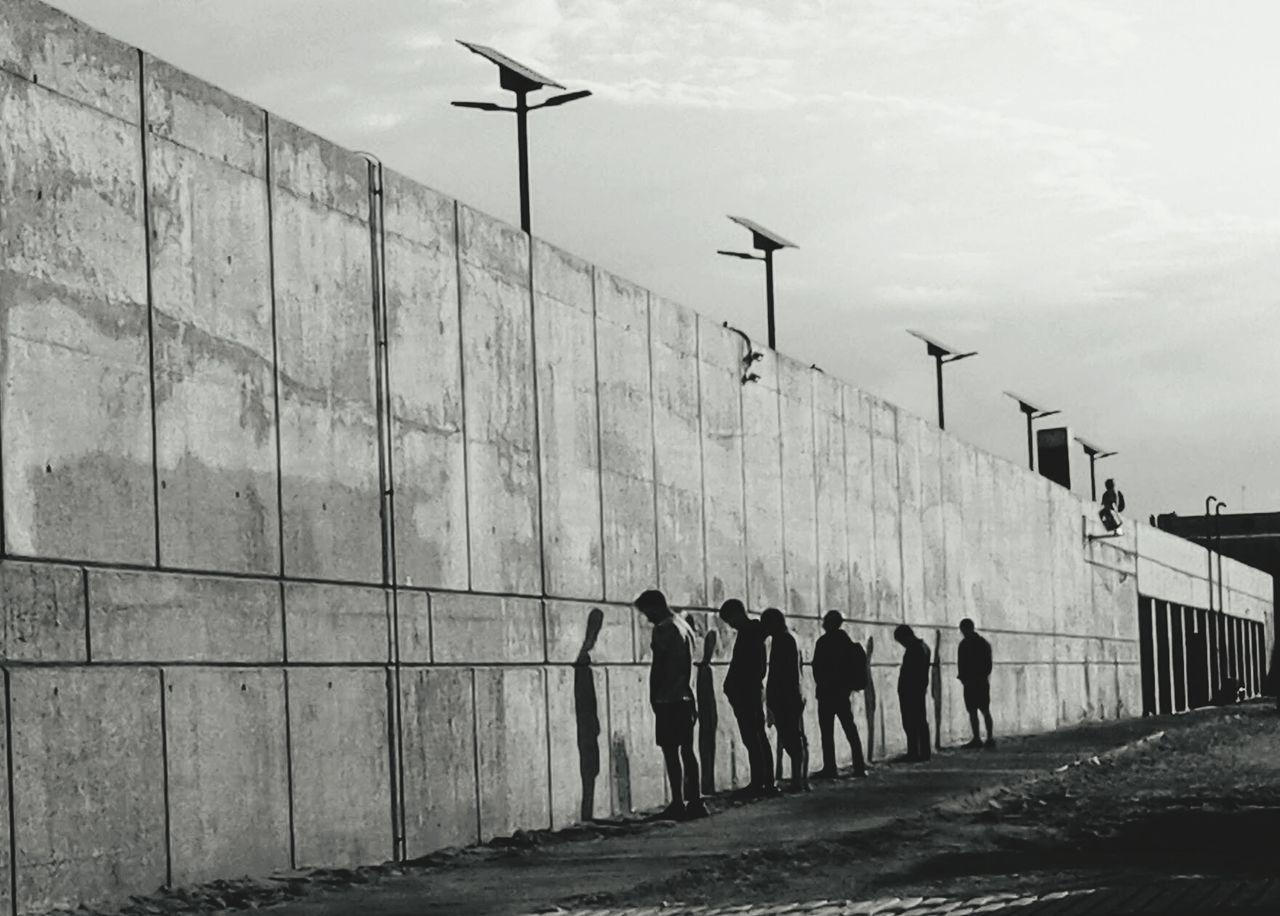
[{"x": 1083, "y": 191}]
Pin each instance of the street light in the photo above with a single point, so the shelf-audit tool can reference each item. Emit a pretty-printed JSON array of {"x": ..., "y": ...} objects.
[
  {"x": 1033, "y": 413},
  {"x": 1095, "y": 454},
  {"x": 767, "y": 242},
  {"x": 941, "y": 354},
  {"x": 517, "y": 78}
]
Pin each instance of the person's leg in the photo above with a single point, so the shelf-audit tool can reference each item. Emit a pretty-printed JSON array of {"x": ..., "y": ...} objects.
[
  {"x": 826, "y": 730},
  {"x": 991, "y": 735},
  {"x": 844, "y": 712},
  {"x": 746, "y": 728},
  {"x": 908, "y": 724},
  {"x": 675, "y": 776},
  {"x": 692, "y": 782},
  {"x": 923, "y": 739},
  {"x": 764, "y": 753}
]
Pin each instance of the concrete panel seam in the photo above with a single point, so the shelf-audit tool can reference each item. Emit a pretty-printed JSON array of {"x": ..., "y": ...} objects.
[
  {"x": 782, "y": 475},
  {"x": 746, "y": 518},
  {"x": 164, "y": 762},
  {"x": 595, "y": 375},
  {"x": 475, "y": 752},
  {"x": 537, "y": 430},
  {"x": 653, "y": 441},
  {"x": 813, "y": 488},
  {"x": 13, "y": 828},
  {"x": 288, "y": 770},
  {"x": 902, "y": 557},
  {"x": 275, "y": 351},
  {"x": 702, "y": 467},
  {"x": 145, "y": 150},
  {"x": 462, "y": 391},
  {"x": 88, "y": 631}
]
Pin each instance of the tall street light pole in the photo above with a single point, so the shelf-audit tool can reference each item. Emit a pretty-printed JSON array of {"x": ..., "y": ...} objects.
[
  {"x": 520, "y": 80},
  {"x": 767, "y": 243},
  {"x": 1033, "y": 413},
  {"x": 941, "y": 353},
  {"x": 1095, "y": 454}
]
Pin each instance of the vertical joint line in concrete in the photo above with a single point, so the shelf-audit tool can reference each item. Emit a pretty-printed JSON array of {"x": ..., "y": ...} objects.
[
  {"x": 813, "y": 489},
  {"x": 275, "y": 343},
  {"x": 874, "y": 569},
  {"x": 164, "y": 759},
  {"x": 151, "y": 321},
  {"x": 844, "y": 470},
  {"x": 462, "y": 387},
  {"x": 653, "y": 441},
  {"x": 88, "y": 636},
  {"x": 595, "y": 374},
  {"x": 13, "y": 829},
  {"x": 702, "y": 466},
  {"x": 475, "y": 751},
  {"x": 902, "y": 553},
  {"x": 537, "y": 424},
  {"x": 782, "y": 477},
  {"x": 546, "y": 722},
  {"x": 288, "y": 768},
  {"x": 742, "y": 468}
]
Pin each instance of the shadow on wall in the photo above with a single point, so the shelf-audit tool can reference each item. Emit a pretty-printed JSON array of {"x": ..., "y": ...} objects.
[
  {"x": 708, "y": 715},
  {"x": 935, "y": 688},
  {"x": 586, "y": 710},
  {"x": 870, "y": 700}
]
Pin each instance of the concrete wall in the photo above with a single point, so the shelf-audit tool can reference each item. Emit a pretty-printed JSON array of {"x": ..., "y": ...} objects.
[{"x": 205, "y": 673}]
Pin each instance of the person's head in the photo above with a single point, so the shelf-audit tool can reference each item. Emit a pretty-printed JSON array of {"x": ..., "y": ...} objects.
[
  {"x": 967, "y": 627},
  {"x": 734, "y": 613},
  {"x": 709, "y": 645},
  {"x": 832, "y": 620},
  {"x": 773, "y": 621},
  {"x": 653, "y": 604},
  {"x": 904, "y": 634},
  {"x": 1110, "y": 483}
]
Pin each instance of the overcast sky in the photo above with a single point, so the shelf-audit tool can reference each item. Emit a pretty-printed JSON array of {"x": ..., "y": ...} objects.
[{"x": 1086, "y": 192}]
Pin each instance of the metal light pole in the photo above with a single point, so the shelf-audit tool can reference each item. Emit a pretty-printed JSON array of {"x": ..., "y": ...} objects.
[
  {"x": 941, "y": 353},
  {"x": 1095, "y": 454},
  {"x": 1033, "y": 413},
  {"x": 767, "y": 243},
  {"x": 520, "y": 80}
]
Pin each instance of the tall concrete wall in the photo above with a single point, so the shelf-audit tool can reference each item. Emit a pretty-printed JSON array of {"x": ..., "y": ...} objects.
[{"x": 205, "y": 673}]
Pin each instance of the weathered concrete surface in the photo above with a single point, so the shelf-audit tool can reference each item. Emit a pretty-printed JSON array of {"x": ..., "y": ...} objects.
[
  {"x": 439, "y": 754},
  {"x": 635, "y": 762},
  {"x": 677, "y": 442},
  {"x": 568, "y": 428},
  {"x": 341, "y": 775},
  {"x": 160, "y": 617},
  {"x": 42, "y": 616},
  {"x": 77, "y": 423},
  {"x": 720, "y": 353},
  {"x": 501, "y": 413},
  {"x": 832, "y": 498},
  {"x": 336, "y": 624},
  {"x": 212, "y": 332},
  {"x": 88, "y": 785},
  {"x": 762, "y": 482},
  {"x": 799, "y": 494},
  {"x": 626, "y": 438},
  {"x": 228, "y": 772},
  {"x": 859, "y": 504},
  {"x": 6, "y": 873},
  {"x": 511, "y": 750},
  {"x": 425, "y": 360},
  {"x": 578, "y": 716},
  {"x": 414, "y": 616},
  {"x": 569, "y": 624},
  {"x": 886, "y": 511},
  {"x": 470, "y": 629},
  {"x": 325, "y": 349}
]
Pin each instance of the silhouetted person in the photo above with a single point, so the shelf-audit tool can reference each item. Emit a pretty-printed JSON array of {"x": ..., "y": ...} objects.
[
  {"x": 913, "y": 685},
  {"x": 869, "y": 701},
  {"x": 839, "y": 668},
  {"x": 1112, "y": 506},
  {"x": 784, "y": 695},
  {"x": 586, "y": 710},
  {"x": 708, "y": 715},
  {"x": 744, "y": 689},
  {"x": 973, "y": 668},
  {"x": 671, "y": 695}
]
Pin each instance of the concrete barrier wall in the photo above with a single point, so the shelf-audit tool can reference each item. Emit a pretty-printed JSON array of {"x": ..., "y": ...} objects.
[{"x": 205, "y": 673}]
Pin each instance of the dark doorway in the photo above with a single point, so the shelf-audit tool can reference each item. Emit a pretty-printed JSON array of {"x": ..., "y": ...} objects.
[
  {"x": 1164, "y": 680},
  {"x": 1177, "y": 639},
  {"x": 1147, "y": 655}
]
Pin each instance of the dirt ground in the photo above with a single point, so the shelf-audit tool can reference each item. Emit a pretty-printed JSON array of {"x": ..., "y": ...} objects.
[{"x": 1202, "y": 798}]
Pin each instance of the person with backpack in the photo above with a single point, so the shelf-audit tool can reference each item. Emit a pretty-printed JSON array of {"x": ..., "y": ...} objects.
[
  {"x": 1112, "y": 506},
  {"x": 839, "y": 668}
]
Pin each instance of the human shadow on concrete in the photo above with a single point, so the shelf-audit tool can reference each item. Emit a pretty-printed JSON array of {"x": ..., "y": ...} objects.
[
  {"x": 586, "y": 710},
  {"x": 935, "y": 688},
  {"x": 708, "y": 714},
  {"x": 869, "y": 700}
]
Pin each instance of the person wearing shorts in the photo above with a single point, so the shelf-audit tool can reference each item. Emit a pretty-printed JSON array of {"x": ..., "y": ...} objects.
[
  {"x": 973, "y": 664},
  {"x": 674, "y": 711}
]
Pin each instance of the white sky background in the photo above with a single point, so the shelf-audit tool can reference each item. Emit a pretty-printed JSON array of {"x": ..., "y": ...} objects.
[{"x": 1086, "y": 192}]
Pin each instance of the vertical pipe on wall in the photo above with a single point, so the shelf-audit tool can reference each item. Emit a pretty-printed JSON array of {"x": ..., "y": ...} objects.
[{"x": 386, "y": 508}]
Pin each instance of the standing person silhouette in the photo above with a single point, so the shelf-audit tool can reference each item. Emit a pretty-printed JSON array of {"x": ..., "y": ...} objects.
[
  {"x": 671, "y": 696},
  {"x": 1112, "y": 506},
  {"x": 913, "y": 686},
  {"x": 973, "y": 668},
  {"x": 784, "y": 696},
  {"x": 744, "y": 689},
  {"x": 839, "y": 668}
]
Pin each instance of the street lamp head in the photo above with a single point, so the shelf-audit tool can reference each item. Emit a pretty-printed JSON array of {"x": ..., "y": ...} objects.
[
  {"x": 938, "y": 349},
  {"x": 564, "y": 99},
  {"x": 481, "y": 106},
  {"x": 1095, "y": 452},
  {"x": 1030, "y": 408},
  {"x": 762, "y": 238},
  {"x": 512, "y": 74}
]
